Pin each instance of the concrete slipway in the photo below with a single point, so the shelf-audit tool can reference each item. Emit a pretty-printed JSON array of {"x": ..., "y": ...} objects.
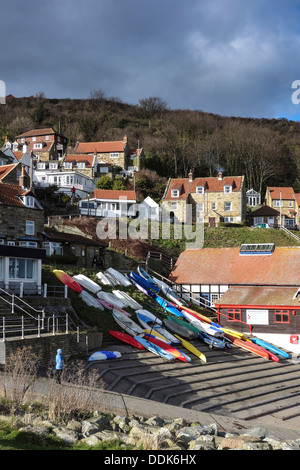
[{"x": 234, "y": 389}]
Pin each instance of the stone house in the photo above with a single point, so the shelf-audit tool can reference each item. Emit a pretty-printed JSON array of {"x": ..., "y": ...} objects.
[
  {"x": 46, "y": 144},
  {"x": 209, "y": 200},
  {"x": 117, "y": 153},
  {"x": 21, "y": 255},
  {"x": 286, "y": 201}
]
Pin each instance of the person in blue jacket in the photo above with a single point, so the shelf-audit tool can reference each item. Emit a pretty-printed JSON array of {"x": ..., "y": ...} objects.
[{"x": 59, "y": 359}]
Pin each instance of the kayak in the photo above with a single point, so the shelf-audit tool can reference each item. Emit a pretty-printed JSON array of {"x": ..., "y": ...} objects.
[
  {"x": 249, "y": 346},
  {"x": 68, "y": 280},
  {"x": 170, "y": 349},
  {"x": 119, "y": 277},
  {"x": 190, "y": 347},
  {"x": 154, "y": 348},
  {"x": 148, "y": 323},
  {"x": 157, "y": 335},
  {"x": 270, "y": 347},
  {"x": 126, "y": 338},
  {"x": 142, "y": 282},
  {"x": 89, "y": 300},
  {"x": 145, "y": 275},
  {"x": 87, "y": 283},
  {"x": 211, "y": 341},
  {"x": 111, "y": 299},
  {"x": 167, "y": 306},
  {"x": 127, "y": 324},
  {"x": 180, "y": 329},
  {"x": 126, "y": 298},
  {"x": 104, "y": 355}
]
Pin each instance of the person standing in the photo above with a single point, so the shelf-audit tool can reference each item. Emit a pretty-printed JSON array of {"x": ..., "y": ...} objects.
[{"x": 59, "y": 364}]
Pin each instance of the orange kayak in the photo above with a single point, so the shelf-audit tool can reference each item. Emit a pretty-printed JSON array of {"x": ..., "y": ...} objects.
[{"x": 248, "y": 346}]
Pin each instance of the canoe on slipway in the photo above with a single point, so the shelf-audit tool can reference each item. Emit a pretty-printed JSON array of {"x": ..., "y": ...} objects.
[
  {"x": 249, "y": 346},
  {"x": 212, "y": 341},
  {"x": 169, "y": 348},
  {"x": 127, "y": 324},
  {"x": 155, "y": 349},
  {"x": 119, "y": 277},
  {"x": 190, "y": 347},
  {"x": 87, "y": 283},
  {"x": 110, "y": 307},
  {"x": 89, "y": 300},
  {"x": 68, "y": 280},
  {"x": 137, "y": 285},
  {"x": 270, "y": 347},
  {"x": 150, "y": 315},
  {"x": 157, "y": 335},
  {"x": 105, "y": 280},
  {"x": 125, "y": 338},
  {"x": 167, "y": 306},
  {"x": 143, "y": 282},
  {"x": 179, "y": 329},
  {"x": 127, "y": 298},
  {"x": 149, "y": 324},
  {"x": 111, "y": 299},
  {"x": 145, "y": 275},
  {"x": 104, "y": 355}
]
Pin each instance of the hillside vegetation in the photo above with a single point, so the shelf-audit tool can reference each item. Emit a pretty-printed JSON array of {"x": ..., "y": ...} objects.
[{"x": 266, "y": 151}]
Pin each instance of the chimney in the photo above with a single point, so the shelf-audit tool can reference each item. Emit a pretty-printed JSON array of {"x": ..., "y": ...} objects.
[
  {"x": 190, "y": 176},
  {"x": 125, "y": 139},
  {"x": 220, "y": 175},
  {"x": 23, "y": 180}
]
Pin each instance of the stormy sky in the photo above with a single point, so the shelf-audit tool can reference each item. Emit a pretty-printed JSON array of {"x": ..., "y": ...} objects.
[{"x": 229, "y": 57}]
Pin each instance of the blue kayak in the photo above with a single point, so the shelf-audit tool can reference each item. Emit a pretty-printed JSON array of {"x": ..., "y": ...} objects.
[
  {"x": 142, "y": 282},
  {"x": 155, "y": 349},
  {"x": 167, "y": 306},
  {"x": 212, "y": 341},
  {"x": 145, "y": 275},
  {"x": 270, "y": 347}
]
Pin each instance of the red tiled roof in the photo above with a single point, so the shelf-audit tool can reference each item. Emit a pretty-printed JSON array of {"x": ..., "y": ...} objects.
[
  {"x": 114, "y": 194},
  {"x": 10, "y": 194},
  {"x": 36, "y": 132},
  {"x": 80, "y": 158},
  {"x": 226, "y": 266},
  {"x": 211, "y": 185},
  {"x": 100, "y": 147},
  {"x": 283, "y": 193},
  {"x": 5, "y": 169},
  {"x": 260, "y": 296}
]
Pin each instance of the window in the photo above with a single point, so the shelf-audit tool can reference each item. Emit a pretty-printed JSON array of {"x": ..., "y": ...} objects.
[
  {"x": 227, "y": 206},
  {"x": 20, "y": 268},
  {"x": 229, "y": 220},
  {"x": 28, "y": 244},
  {"x": 258, "y": 220},
  {"x": 174, "y": 206},
  {"x": 200, "y": 189},
  {"x": 29, "y": 227},
  {"x": 68, "y": 165},
  {"x": 47, "y": 137},
  {"x": 41, "y": 166},
  {"x": 282, "y": 316},
  {"x": 11, "y": 243},
  {"x": 227, "y": 188},
  {"x": 33, "y": 139},
  {"x": 81, "y": 165},
  {"x": 53, "y": 248},
  {"x": 37, "y": 146},
  {"x": 213, "y": 206},
  {"x": 200, "y": 207},
  {"x": 234, "y": 314},
  {"x": 289, "y": 222},
  {"x": 291, "y": 203},
  {"x": 277, "y": 203},
  {"x": 53, "y": 166},
  {"x": 175, "y": 193},
  {"x": 214, "y": 298},
  {"x": 114, "y": 155}
]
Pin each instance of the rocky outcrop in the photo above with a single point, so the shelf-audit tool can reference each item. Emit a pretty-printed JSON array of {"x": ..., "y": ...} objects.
[{"x": 154, "y": 433}]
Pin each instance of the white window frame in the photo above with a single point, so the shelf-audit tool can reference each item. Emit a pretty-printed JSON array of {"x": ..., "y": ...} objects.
[
  {"x": 174, "y": 205},
  {"x": 68, "y": 165},
  {"x": 114, "y": 154},
  {"x": 175, "y": 193},
  {"x": 226, "y": 204},
  {"x": 30, "y": 227},
  {"x": 229, "y": 220},
  {"x": 53, "y": 166},
  {"x": 200, "y": 207},
  {"x": 227, "y": 189},
  {"x": 277, "y": 203},
  {"x": 38, "y": 145},
  {"x": 200, "y": 189},
  {"x": 213, "y": 206}
]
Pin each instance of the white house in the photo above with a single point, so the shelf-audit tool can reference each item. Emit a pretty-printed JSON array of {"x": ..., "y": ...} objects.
[
  {"x": 149, "y": 209},
  {"x": 109, "y": 203}
]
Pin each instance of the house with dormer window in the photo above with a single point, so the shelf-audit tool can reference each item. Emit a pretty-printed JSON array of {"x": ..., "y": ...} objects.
[
  {"x": 46, "y": 144},
  {"x": 209, "y": 200},
  {"x": 286, "y": 201},
  {"x": 21, "y": 254}
]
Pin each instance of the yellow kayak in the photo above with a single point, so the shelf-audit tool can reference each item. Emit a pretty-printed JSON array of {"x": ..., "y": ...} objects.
[
  {"x": 192, "y": 348},
  {"x": 158, "y": 335}
]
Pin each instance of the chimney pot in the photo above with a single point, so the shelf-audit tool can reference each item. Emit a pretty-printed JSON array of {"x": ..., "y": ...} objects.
[
  {"x": 191, "y": 175},
  {"x": 220, "y": 175}
]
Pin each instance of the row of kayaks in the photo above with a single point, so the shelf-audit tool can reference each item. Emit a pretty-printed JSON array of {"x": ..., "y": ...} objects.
[{"x": 180, "y": 324}]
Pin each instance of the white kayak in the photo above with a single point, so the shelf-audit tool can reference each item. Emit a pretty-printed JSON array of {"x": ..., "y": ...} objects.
[
  {"x": 202, "y": 326},
  {"x": 127, "y": 324},
  {"x": 126, "y": 298},
  {"x": 111, "y": 299},
  {"x": 120, "y": 277},
  {"x": 104, "y": 279},
  {"x": 87, "y": 283},
  {"x": 104, "y": 355},
  {"x": 89, "y": 300},
  {"x": 148, "y": 324},
  {"x": 150, "y": 315}
]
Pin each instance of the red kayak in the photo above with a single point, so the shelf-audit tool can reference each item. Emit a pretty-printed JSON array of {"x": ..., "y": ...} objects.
[
  {"x": 126, "y": 339},
  {"x": 68, "y": 280},
  {"x": 249, "y": 346},
  {"x": 167, "y": 347}
]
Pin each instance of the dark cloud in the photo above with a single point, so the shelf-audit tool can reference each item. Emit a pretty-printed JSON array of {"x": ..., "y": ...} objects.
[{"x": 222, "y": 56}]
